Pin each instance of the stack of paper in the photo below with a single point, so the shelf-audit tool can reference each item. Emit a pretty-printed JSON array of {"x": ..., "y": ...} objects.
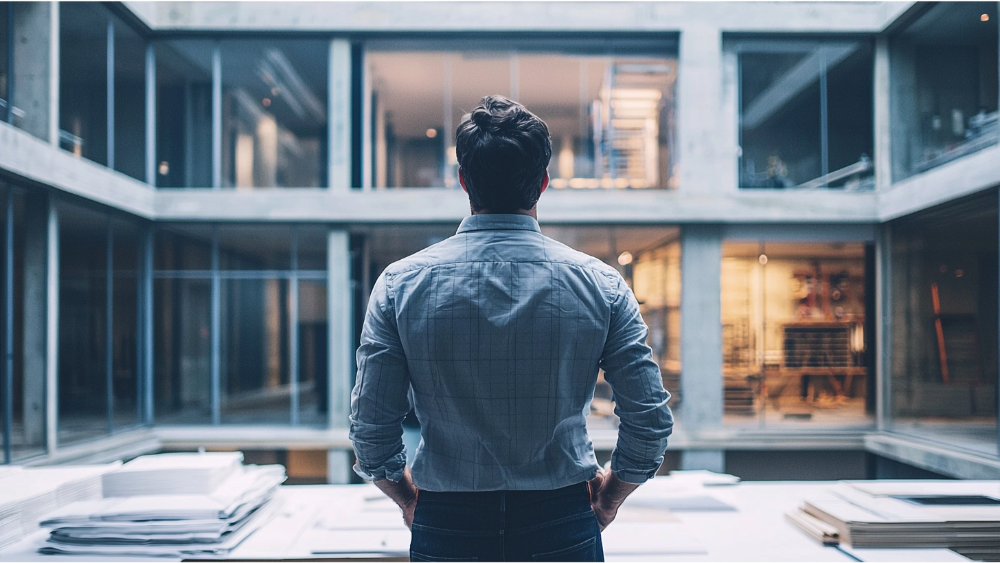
[
  {"x": 176, "y": 525},
  {"x": 172, "y": 474},
  {"x": 26, "y": 495},
  {"x": 964, "y": 516}
]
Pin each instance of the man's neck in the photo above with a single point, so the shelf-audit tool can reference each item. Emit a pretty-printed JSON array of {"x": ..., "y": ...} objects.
[{"x": 533, "y": 212}]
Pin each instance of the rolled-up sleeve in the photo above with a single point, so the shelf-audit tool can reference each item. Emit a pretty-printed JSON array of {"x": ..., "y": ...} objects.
[
  {"x": 379, "y": 399},
  {"x": 640, "y": 399}
]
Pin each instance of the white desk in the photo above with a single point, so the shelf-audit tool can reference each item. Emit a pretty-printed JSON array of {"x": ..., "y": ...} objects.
[{"x": 334, "y": 518}]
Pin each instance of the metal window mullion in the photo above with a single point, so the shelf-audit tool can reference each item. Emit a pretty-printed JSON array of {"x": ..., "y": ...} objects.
[
  {"x": 10, "y": 63},
  {"x": 824, "y": 123},
  {"x": 8, "y": 364},
  {"x": 447, "y": 123},
  {"x": 109, "y": 327},
  {"x": 216, "y": 315},
  {"x": 150, "y": 115},
  {"x": 216, "y": 116},
  {"x": 111, "y": 94},
  {"x": 147, "y": 303},
  {"x": 293, "y": 330},
  {"x": 140, "y": 331}
]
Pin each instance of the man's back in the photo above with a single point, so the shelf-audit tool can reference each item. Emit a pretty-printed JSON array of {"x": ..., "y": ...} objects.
[{"x": 503, "y": 329}]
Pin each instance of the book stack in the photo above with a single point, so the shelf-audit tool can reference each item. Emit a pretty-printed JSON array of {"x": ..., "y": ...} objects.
[
  {"x": 960, "y": 515},
  {"x": 167, "y": 515},
  {"x": 26, "y": 495}
]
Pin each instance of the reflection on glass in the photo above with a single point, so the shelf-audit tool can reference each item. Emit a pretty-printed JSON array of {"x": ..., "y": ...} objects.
[
  {"x": 130, "y": 101},
  {"x": 944, "y": 323},
  {"x": 274, "y": 114},
  {"x": 184, "y": 114},
  {"x": 311, "y": 242},
  {"x": 254, "y": 352},
  {"x": 793, "y": 334},
  {"x": 5, "y": 46},
  {"x": 183, "y": 247},
  {"x": 656, "y": 280},
  {"x": 611, "y": 118},
  {"x": 83, "y": 80},
  {"x": 945, "y": 86},
  {"x": 805, "y": 114},
  {"x": 313, "y": 353},
  {"x": 182, "y": 344},
  {"x": 83, "y": 281},
  {"x": 255, "y": 247}
]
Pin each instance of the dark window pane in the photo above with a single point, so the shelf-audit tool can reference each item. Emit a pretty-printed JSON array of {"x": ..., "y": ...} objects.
[
  {"x": 255, "y": 247},
  {"x": 181, "y": 247},
  {"x": 274, "y": 114},
  {"x": 125, "y": 361},
  {"x": 254, "y": 352},
  {"x": 182, "y": 344},
  {"x": 313, "y": 353},
  {"x": 83, "y": 405},
  {"x": 184, "y": 114},
  {"x": 130, "y": 101},
  {"x": 944, "y": 323},
  {"x": 944, "y": 79},
  {"x": 83, "y": 85},
  {"x": 312, "y": 243},
  {"x": 850, "y": 104},
  {"x": 5, "y": 45}
]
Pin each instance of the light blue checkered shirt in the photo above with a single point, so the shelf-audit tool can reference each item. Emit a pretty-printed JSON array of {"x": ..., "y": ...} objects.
[{"x": 500, "y": 331}]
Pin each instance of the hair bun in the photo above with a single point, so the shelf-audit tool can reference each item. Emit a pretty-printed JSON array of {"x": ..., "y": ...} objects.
[{"x": 482, "y": 118}]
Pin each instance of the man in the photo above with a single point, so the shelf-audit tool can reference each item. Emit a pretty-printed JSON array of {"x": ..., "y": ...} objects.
[{"x": 500, "y": 332}]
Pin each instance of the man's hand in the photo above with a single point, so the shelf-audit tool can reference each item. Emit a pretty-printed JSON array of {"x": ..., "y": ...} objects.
[
  {"x": 404, "y": 494},
  {"x": 607, "y": 493}
]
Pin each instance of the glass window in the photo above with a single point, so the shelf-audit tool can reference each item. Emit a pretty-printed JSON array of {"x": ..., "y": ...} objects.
[
  {"x": 794, "y": 330},
  {"x": 274, "y": 114},
  {"x": 83, "y": 80},
  {"x": 805, "y": 114},
  {"x": 130, "y": 101},
  {"x": 944, "y": 323},
  {"x": 313, "y": 352},
  {"x": 255, "y": 247},
  {"x": 182, "y": 350},
  {"x": 124, "y": 329},
  {"x": 944, "y": 76},
  {"x": 184, "y": 114},
  {"x": 6, "y": 11},
  {"x": 183, "y": 247},
  {"x": 610, "y": 115},
  {"x": 83, "y": 306}
]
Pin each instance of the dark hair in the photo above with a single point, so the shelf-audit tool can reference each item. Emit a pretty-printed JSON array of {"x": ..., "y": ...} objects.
[{"x": 503, "y": 150}]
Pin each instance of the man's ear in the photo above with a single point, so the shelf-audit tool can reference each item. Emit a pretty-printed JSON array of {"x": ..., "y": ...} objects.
[
  {"x": 461, "y": 180},
  {"x": 545, "y": 182}
]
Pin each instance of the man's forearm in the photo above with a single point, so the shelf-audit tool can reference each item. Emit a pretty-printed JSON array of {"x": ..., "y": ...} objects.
[{"x": 403, "y": 493}]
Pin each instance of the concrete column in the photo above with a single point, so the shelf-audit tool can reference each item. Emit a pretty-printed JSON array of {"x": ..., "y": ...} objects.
[
  {"x": 702, "y": 158},
  {"x": 35, "y": 304},
  {"x": 882, "y": 130},
  {"x": 341, "y": 349},
  {"x": 340, "y": 114},
  {"x": 52, "y": 330},
  {"x": 31, "y": 73},
  {"x": 883, "y": 327},
  {"x": 700, "y": 407}
]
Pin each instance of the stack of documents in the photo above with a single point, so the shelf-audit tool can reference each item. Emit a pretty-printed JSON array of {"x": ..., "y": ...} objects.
[
  {"x": 172, "y": 474},
  {"x": 960, "y": 515},
  {"x": 26, "y": 495},
  {"x": 176, "y": 525}
]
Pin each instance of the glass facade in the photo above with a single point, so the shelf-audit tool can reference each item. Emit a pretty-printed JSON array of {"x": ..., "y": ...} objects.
[
  {"x": 98, "y": 312},
  {"x": 611, "y": 115},
  {"x": 945, "y": 86},
  {"x": 274, "y": 113},
  {"x": 944, "y": 323},
  {"x": 805, "y": 114},
  {"x": 794, "y": 328},
  {"x": 240, "y": 335},
  {"x": 6, "y": 48},
  {"x": 183, "y": 114}
]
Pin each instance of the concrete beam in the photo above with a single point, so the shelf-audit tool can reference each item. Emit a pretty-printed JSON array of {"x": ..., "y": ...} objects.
[
  {"x": 35, "y": 301},
  {"x": 933, "y": 457},
  {"x": 959, "y": 178},
  {"x": 415, "y": 206},
  {"x": 27, "y": 158},
  {"x": 517, "y": 16},
  {"x": 701, "y": 389}
]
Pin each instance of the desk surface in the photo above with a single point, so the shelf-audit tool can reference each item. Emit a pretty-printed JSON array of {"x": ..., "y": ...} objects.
[{"x": 347, "y": 521}]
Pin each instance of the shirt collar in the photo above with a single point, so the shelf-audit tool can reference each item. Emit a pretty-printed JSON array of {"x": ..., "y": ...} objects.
[{"x": 497, "y": 221}]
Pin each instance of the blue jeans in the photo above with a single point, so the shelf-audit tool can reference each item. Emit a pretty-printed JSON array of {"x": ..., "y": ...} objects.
[{"x": 557, "y": 525}]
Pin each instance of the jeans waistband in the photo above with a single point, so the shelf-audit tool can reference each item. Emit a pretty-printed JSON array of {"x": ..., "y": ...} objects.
[{"x": 489, "y": 497}]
